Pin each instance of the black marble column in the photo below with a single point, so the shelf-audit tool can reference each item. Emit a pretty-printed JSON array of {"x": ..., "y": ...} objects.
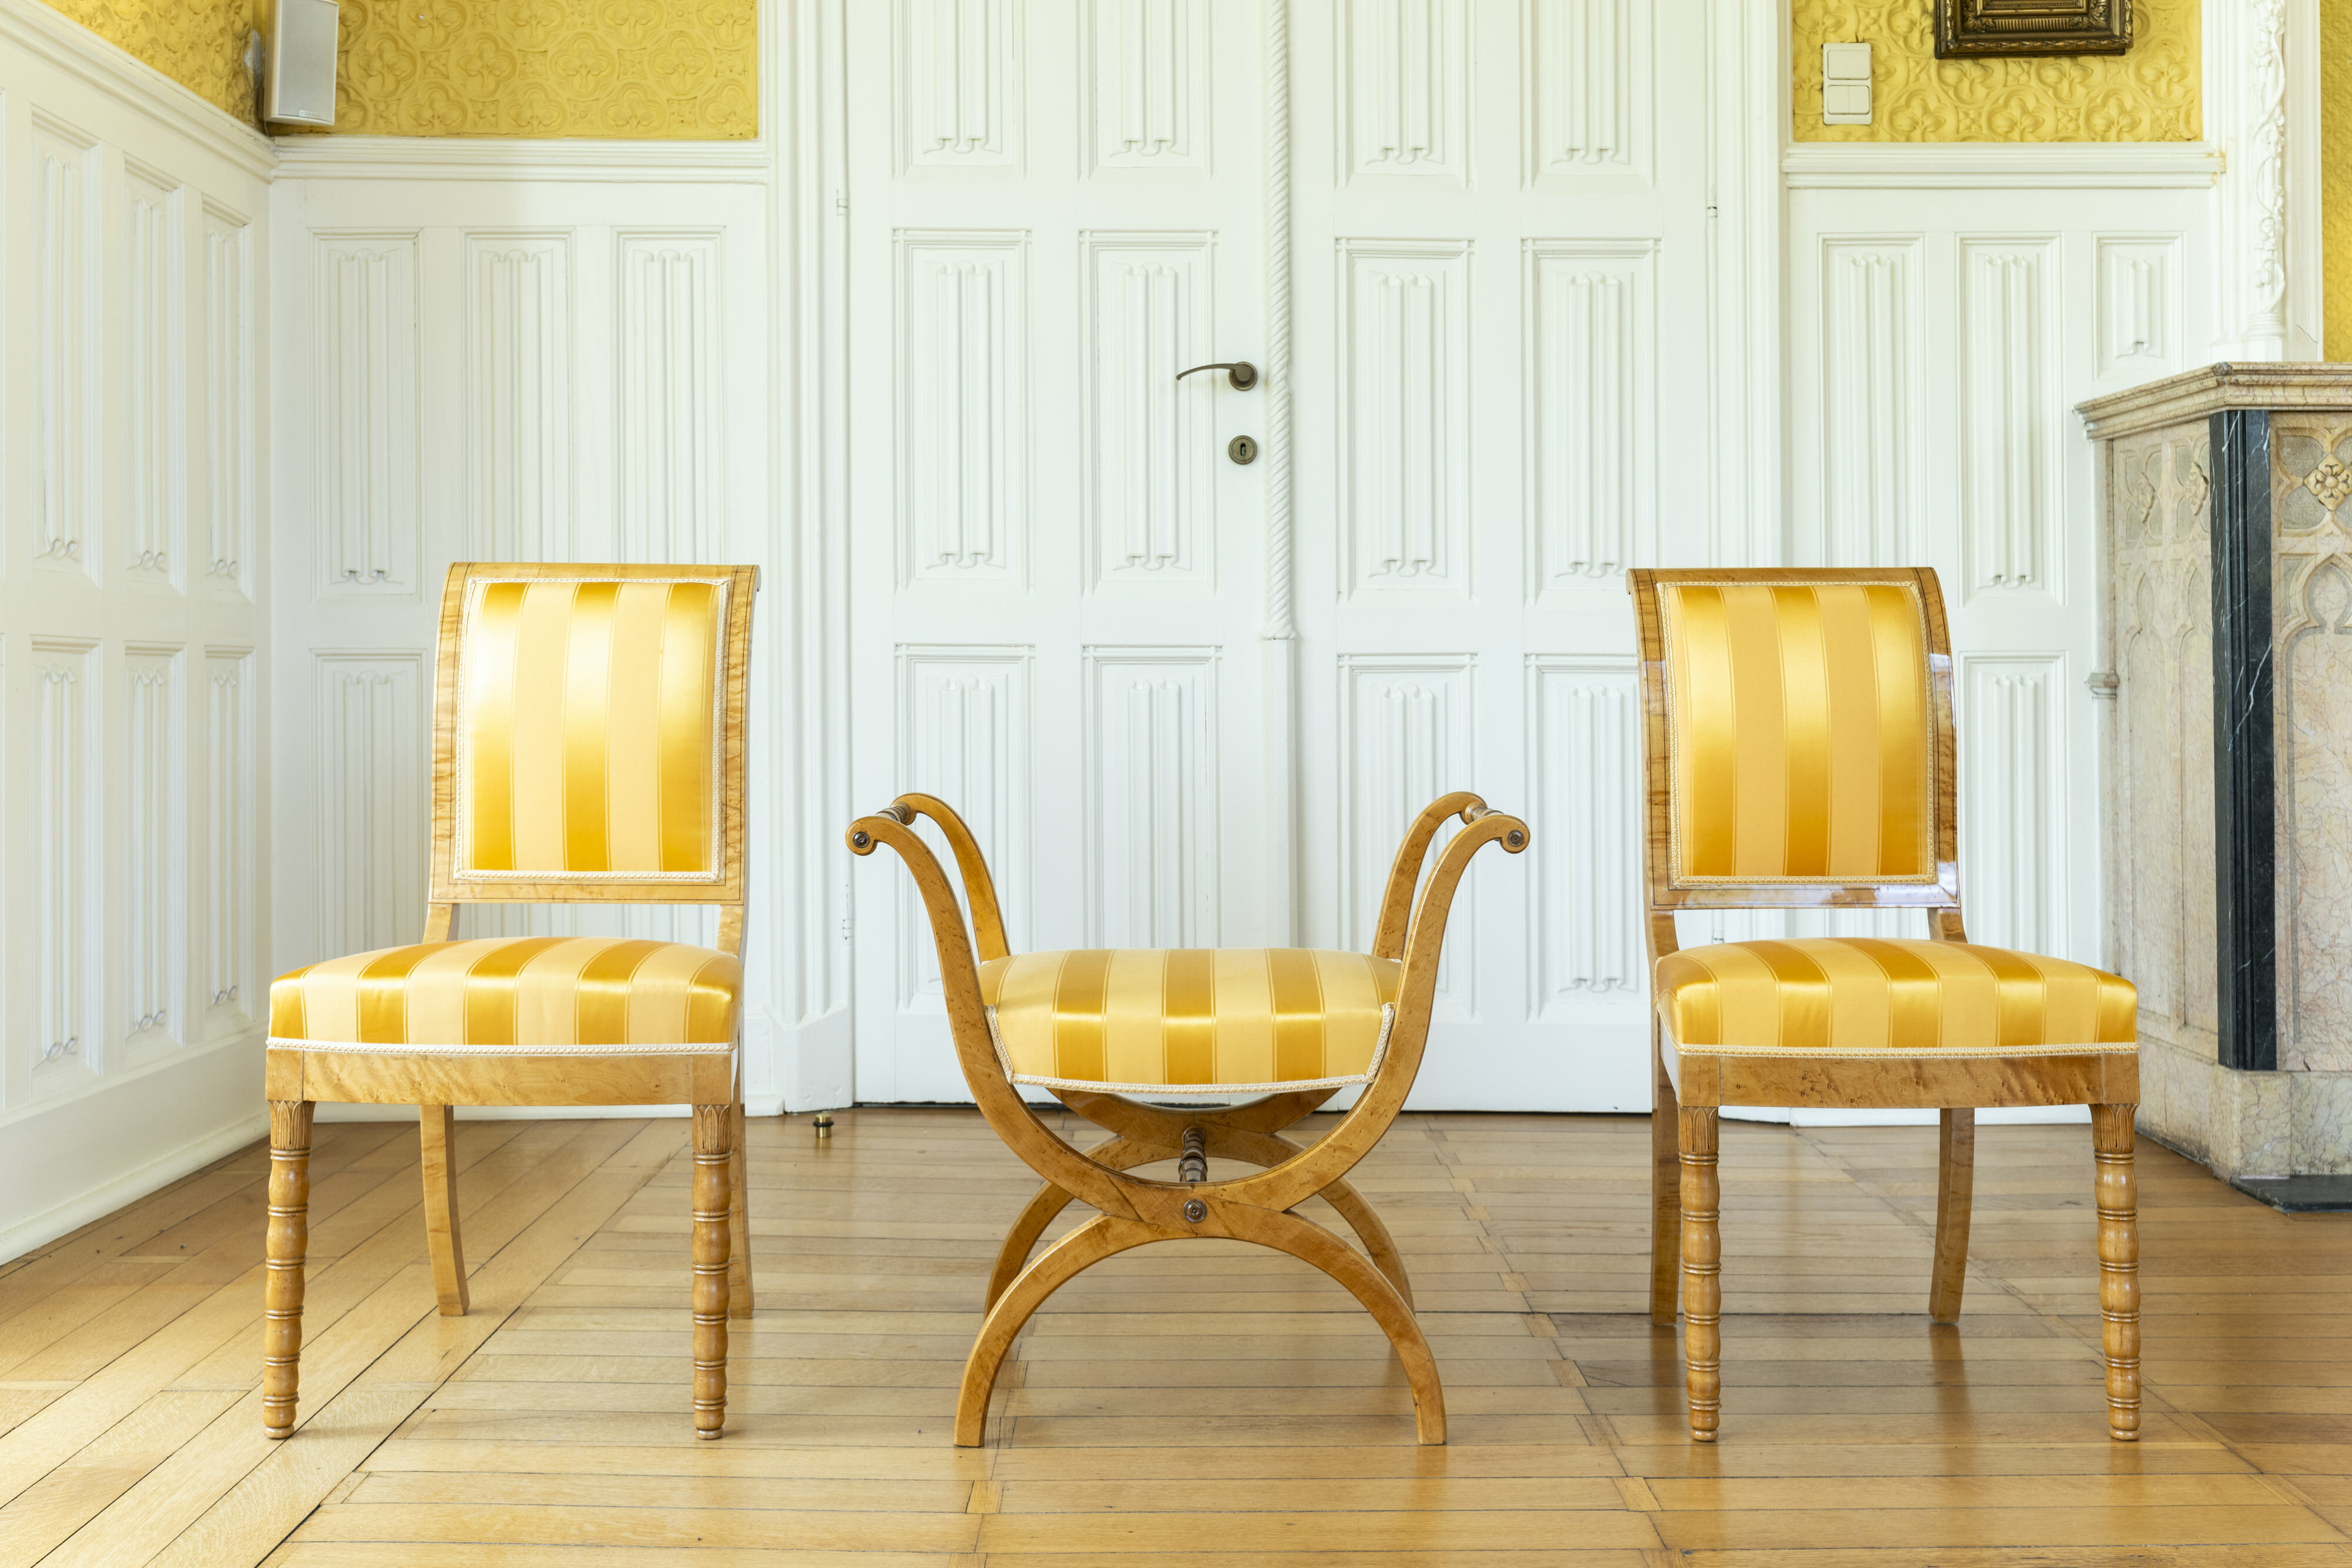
[{"x": 2246, "y": 842}]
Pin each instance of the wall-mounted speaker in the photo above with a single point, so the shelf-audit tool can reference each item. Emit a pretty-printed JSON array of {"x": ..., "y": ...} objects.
[{"x": 300, "y": 76}]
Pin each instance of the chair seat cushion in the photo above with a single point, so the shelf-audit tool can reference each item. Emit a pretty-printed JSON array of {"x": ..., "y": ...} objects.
[
  {"x": 535, "y": 996},
  {"x": 1195, "y": 1020},
  {"x": 1869, "y": 997}
]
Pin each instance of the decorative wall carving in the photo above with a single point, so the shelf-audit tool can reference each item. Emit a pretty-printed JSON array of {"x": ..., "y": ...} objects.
[
  {"x": 2012, "y": 787},
  {"x": 2149, "y": 95},
  {"x": 1405, "y": 728},
  {"x": 1404, "y": 90},
  {"x": 66, "y": 378},
  {"x": 963, "y": 388},
  {"x": 1871, "y": 357},
  {"x": 1592, "y": 406},
  {"x": 960, "y": 91},
  {"x": 65, "y": 898},
  {"x": 1150, "y": 454},
  {"x": 368, "y": 723},
  {"x": 155, "y": 916},
  {"x": 965, "y": 735},
  {"x": 1404, "y": 371},
  {"x": 366, "y": 385},
  {"x": 671, "y": 498},
  {"x": 1151, "y": 797},
  {"x": 519, "y": 336},
  {"x": 154, "y": 388},
  {"x": 1147, "y": 88},
  {"x": 1587, "y": 69},
  {"x": 227, "y": 991},
  {"x": 1584, "y": 735},
  {"x": 2012, "y": 492},
  {"x": 227, "y": 404}
]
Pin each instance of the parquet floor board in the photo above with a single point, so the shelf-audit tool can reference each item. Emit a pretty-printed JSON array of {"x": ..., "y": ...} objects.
[{"x": 1209, "y": 1404}]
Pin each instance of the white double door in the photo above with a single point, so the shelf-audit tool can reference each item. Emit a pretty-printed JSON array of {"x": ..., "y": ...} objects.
[{"x": 1063, "y": 584}]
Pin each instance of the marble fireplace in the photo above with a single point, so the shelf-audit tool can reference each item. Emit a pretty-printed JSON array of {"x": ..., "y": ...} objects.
[{"x": 2227, "y": 761}]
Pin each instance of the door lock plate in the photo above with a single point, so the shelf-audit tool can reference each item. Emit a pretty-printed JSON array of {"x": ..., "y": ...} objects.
[{"x": 1241, "y": 449}]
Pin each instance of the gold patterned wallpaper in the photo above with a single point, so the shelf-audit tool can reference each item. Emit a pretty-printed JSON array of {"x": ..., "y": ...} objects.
[
  {"x": 2336, "y": 173},
  {"x": 200, "y": 44},
  {"x": 641, "y": 68},
  {"x": 2147, "y": 95}
]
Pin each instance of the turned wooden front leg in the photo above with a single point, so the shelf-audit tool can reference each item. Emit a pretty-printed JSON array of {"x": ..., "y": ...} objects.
[
  {"x": 289, "y": 1239},
  {"x": 714, "y": 1129},
  {"x": 1702, "y": 1271},
  {"x": 2119, "y": 1198}
]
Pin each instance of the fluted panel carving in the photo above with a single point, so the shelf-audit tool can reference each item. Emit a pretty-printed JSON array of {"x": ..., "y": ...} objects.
[
  {"x": 1151, "y": 797},
  {"x": 1151, "y": 493},
  {"x": 1587, "y": 62},
  {"x": 65, "y": 886},
  {"x": 154, "y": 922},
  {"x": 519, "y": 330},
  {"x": 1404, "y": 74},
  {"x": 2012, "y": 827},
  {"x": 2010, "y": 493},
  {"x": 1591, "y": 367},
  {"x": 154, "y": 390},
  {"x": 1148, "y": 83},
  {"x": 65, "y": 376},
  {"x": 227, "y": 409},
  {"x": 965, "y": 737},
  {"x": 1870, "y": 355},
  {"x": 1405, "y": 728},
  {"x": 229, "y": 841},
  {"x": 365, "y": 383},
  {"x": 2138, "y": 283},
  {"x": 963, "y": 408},
  {"x": 1405, "y": 435},
  {"x": 368, "y": 770},
  {"x": 1584, "y": 731},
  {"x": 671, "y": 505},
  {"x": 959, "y": 85}
]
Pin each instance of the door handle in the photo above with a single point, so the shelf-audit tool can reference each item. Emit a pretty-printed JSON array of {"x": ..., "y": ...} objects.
[{"x": 1240, "y": 373}]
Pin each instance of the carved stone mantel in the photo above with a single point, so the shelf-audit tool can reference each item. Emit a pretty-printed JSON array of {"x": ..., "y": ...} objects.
[{"x": 2227, "y": 756}]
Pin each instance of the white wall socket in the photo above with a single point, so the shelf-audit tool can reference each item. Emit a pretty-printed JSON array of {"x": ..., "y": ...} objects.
[{"x": 1845, "y": 84}]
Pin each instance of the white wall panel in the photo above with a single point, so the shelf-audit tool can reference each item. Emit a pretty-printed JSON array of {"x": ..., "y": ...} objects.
[
  {"x": 1404, "y": 462},
  {"x": 1404, "y": 78},
  {"x": 66, "y": 886},
  {"x": 2013, "y": 799},
  {"x": 2140, "y": 306},
  {"x": 151, "y": 838},
  {"x": 518, "y": 346},
  {"x": 1406, "y": 729},
  {"x": 230, "y": 991},
  {"x": 966, "y": 737},
  {"x": 365, "y": 349},
  {"x": 1592, "y": 408},
  {"x": 2011, "y": 484},
  {"x": 668, "y": 436},
  {"x": 368, "y": 782},
  {"x": 1872, "y": 352},
  {"x": 1147, "y": 85},
  {"x": 1151, "y": 451},
  {"x": 154, "y": 379},
  {"x": 964, "y": 387},
  {"x": 63, "y": 216},
  {"x": 960, "y": 108},
  {"x": 227, "y": 406},
  {"x": 1588, "y": 65},
  {"x": 1584, "y": 733},
  {"x": 1151, "y": 740}
]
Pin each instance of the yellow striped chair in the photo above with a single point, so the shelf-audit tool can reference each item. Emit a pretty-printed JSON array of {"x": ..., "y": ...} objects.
[
  {"x": 1258, "y": 1037},
  {"x": 587, "y": 748},
  {"x": 1799, "y": 755}
]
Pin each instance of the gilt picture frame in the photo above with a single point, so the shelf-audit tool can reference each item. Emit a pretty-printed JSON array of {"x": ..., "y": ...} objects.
[{"x": 1994, "y": 29}]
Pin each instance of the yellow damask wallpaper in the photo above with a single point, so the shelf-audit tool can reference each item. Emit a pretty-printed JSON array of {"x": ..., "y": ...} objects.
[
  {"x": 200, "y": 44},
  {"x": 548, "y": 68},
  {"x": 2147, "y": 95},
  {"x": 2335, "y": 172}
]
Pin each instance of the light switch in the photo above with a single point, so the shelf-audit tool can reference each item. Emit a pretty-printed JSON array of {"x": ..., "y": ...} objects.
[{"x": 1845, "y": 84}]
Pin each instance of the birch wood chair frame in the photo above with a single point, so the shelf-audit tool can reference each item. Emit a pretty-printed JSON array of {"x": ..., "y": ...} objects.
[
  {"x": 438, "y": 1080},
  {"x": 1135, "y": 1211},
  {"x": 1690, "y": 1085}
]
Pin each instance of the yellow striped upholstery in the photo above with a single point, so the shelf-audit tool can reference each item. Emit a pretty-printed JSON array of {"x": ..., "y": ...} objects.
[
  {"x": 1234, "y": 1019},
  {"x": 588, "y": 729},
  {"x": 538, "y": 996},
  {"x": 1801, "y": 734},
  {"x": 1855, "y": 996}
]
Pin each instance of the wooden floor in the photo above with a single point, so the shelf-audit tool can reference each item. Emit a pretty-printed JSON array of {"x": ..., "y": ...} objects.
[{"x": 1184, "y": 1404}]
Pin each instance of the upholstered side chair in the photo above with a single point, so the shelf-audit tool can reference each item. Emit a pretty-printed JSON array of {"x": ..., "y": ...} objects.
[
  {"x": 1799, "y": 755},
  {"x": 587, "y": 748},
  {"x": 1263, "y": 1036}
]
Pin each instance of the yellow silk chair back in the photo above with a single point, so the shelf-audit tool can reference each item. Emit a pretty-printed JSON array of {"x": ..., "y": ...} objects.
[
  {"x": 1803, "y": 722},
  {"x": 588, "y": 743}
]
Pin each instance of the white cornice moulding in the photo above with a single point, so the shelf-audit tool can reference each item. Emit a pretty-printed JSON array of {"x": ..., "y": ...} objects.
[
  {"x": 140, "y": 87},
  {"x": 2000, "y": 165},
  {"x": 505, "y": 158}
]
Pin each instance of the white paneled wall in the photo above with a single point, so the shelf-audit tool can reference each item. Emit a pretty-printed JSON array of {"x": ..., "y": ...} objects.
[
  {"x": 524, "y": 358},
  {"x": 133, "y": 857}
]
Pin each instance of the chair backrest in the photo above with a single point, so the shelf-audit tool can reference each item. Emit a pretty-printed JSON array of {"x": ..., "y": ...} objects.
[
  {"x": 588, "y": 734},
  {"x": 1798, "y": 738}
]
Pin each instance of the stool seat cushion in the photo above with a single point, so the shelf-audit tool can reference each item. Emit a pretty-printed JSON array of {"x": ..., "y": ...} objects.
[
  {"x": 536, "y": 995},
  {"x": 1856, "y": 996},
  {"x": 1197, "y": 1020}
]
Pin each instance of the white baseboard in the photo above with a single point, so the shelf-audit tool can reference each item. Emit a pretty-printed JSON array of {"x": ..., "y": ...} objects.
[{"x": 132, "y": 1185}]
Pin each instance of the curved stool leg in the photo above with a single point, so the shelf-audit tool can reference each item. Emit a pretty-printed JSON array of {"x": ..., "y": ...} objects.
[
  {"x": 1375, "y": 1234},
  {"x": 1305, "y": 1240},
  {"x": 1118, "y": 1154},
  {"x": 1099, "y": 1238}
]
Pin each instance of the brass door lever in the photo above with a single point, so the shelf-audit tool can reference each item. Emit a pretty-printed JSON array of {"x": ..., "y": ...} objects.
[{"x": 1241, "y": 373}]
